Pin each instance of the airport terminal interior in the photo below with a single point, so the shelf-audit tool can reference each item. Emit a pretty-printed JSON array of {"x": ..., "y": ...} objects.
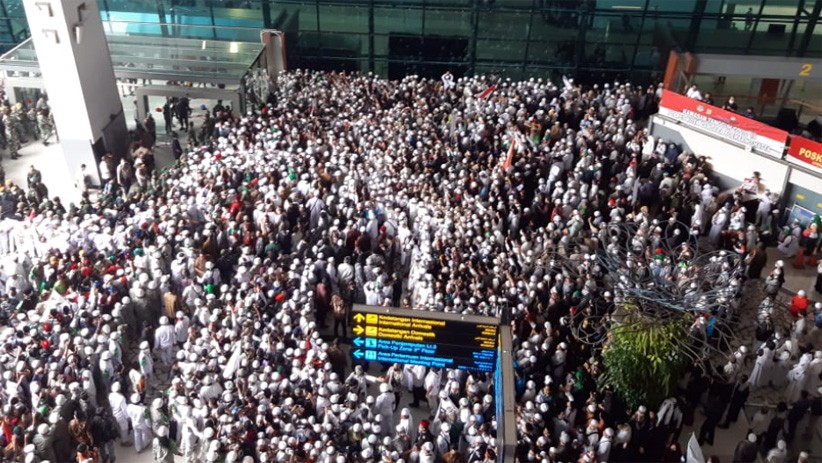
[{"x": 417, "y": 231}]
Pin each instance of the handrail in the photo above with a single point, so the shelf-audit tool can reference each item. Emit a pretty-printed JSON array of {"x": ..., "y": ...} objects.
[
  {"x": 806, "y": 104},
  {"x": 254, "y": 29},
  {"x": 16, "y": 47},
  {"x": 722, "y": 97}
]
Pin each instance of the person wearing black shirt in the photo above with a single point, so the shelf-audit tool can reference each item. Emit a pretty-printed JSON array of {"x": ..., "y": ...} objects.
[
  {"x": 775, "y": 428},
  {"x": 739, "y": 395},
  {"x": 746, "y": 450},
  {"x": 183, "y": 111},
  {"x": 713, "y": 413},
  {"x": 798, "y": 411},
  {"x": 168, "y": 115},
  {"x": 104, "y": 431},
  {"x": 176, "y": 148}
]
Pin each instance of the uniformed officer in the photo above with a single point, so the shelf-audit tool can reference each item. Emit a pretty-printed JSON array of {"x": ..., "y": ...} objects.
[
  {"x": 45, "y": 125},
  {"x": 12, "y": 135}
]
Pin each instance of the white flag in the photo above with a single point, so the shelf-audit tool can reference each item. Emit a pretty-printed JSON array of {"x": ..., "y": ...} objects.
[
  {"x": 233, "y": 363},
  {"x": 694, "y": 454}
]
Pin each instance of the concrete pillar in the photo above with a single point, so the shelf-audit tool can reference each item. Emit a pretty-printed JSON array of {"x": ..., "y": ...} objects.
[{"x": 76, "y": 66}]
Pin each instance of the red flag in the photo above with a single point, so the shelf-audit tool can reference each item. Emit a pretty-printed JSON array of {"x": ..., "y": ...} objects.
[
  {"x": 510, "y": 158},
  {"x": 487, "y": 92}
]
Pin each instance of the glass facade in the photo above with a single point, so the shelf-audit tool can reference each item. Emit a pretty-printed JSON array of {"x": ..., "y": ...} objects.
[
  {"x": 591, "y": 39},
  {"x": 158, "y": 58}
]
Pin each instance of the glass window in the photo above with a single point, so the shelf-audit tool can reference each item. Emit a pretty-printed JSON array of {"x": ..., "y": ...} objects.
[
  {"x": 456, "y": 3},
  {"x": 306, "y": 11},
  {"x": 499, "y": 25},
  {"x": 608, "y": 54},
  {"x": 722, "y": 40},
  {"x": 546, "y": 34},
  {"x": 609, "y": 28},
  {"x": 815, "y": 45},
  {"x": 338, "y": 18},
  {"x": 381, "y": 48},
  {"x": 501, "y": 50},
  {"x": 134, "y": 6},
  {"x": 447, "y": 22},
  {"x": 667, "y": 6},
  {"x": 649, "y": 57},
  {"x": 771, "y": 38},
  {"x": 398, "y": 19},
  {"x": 783, "y": 7},
  {"x": 553, "y": 53}
]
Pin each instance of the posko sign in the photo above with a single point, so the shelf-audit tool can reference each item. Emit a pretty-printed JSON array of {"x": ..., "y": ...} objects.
[{"x": 805, "y": 152}]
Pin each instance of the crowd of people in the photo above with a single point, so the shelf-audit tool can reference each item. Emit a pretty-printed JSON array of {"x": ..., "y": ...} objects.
[{"x": 193, "y": 317}]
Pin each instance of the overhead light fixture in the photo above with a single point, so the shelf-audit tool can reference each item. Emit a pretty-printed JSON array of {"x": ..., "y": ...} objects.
[
  {"x": 626, "y": 7},
  {"x": 78, "y": 34},
  {"x": 234, "y": 47},
  {"x": 78, "y": 28},
  {"x": 204, "y": 44}
]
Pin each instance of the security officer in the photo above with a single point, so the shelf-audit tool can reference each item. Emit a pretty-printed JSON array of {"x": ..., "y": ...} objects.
[
  {"x": 12, "y": 135},
  {"x": 45, "y": 125}
]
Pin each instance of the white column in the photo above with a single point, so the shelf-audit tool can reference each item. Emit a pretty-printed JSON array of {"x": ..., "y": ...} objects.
[{"x": 76, "y": 66}]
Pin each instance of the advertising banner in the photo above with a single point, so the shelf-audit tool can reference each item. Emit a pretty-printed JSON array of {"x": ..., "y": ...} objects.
[
  {"x": 805, "y": 152},
  {"x": 724, "y": 124}
]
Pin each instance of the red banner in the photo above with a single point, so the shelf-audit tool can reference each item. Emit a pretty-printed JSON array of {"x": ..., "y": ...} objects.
[
  {"x": 724, "y": 124},
  {"x": 808, "y": 152},
  {"x": 510, "y": 158}
]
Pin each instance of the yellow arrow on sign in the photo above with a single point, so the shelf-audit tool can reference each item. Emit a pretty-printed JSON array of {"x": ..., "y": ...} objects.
[
  {"x": 358, "y": 329},
  {"x": 358, "y": 318}
]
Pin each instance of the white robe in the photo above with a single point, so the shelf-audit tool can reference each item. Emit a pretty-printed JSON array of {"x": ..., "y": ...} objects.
[
  {"x": 762, "y": 370},
  {"x": 779, "y": 376},
  {"x": 789, "y": 246},
  {"x": 384, "y": 406},
  {"x": 717, "y": 225},
  {"x": 119, "y": 411},
  {"x": 798, "y": 377},
  {"x": 604, "y": 449}
]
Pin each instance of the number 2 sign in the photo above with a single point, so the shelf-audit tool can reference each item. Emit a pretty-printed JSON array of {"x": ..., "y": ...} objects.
[{"x": 805, "y": 70}]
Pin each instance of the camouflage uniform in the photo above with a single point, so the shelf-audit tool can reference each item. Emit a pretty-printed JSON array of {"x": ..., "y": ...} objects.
[
  {"x": 53, "y": 126},
  {"x": 30, "y": 124},
  {"x": 44, "y": 126},
  {"x": 12, "y": 136},
  {"x": 17, "y": 117}
]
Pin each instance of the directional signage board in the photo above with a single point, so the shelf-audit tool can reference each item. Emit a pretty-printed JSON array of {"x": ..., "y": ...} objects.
[{"x": 431, "y": 339}]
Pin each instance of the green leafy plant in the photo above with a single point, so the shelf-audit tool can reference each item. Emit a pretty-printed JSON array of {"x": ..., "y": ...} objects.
[{"x": 644, "y": 357}]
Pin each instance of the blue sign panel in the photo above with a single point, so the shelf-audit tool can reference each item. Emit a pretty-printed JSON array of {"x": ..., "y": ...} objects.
[{"x": 423, "y": 338}]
